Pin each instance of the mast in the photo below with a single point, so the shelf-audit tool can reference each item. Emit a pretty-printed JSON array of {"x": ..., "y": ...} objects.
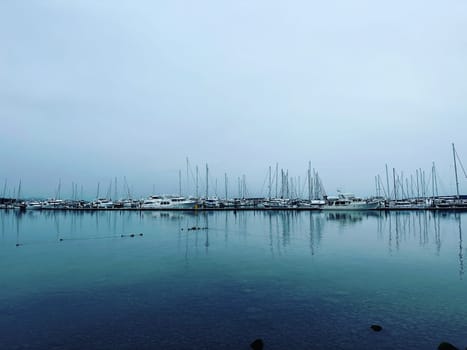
[
  {"x": 394, "y": 180},
  {"x": 376, "y": 186},
  {"x": 387, "y": 181},
  {"x": 309, "y": 181},
  {"x": 423, "y": 183},
  {"x": 269, "y": 187},
  {"x": 4, "y": 188},
  {"x": 59, "y": 188},
  {"x": 225, "y": 183},
  {"x": 243, "y": 186},
  {"x": 179, "y": 183},
  {"x": 455, "y": 170},
  {"x": 18, "y": 194},
  {"x": 418, "y": 185},
  {"x": 187, "y": 178},
  {"x": 197, "y": 186},
  {"x": 277, "y": 177},
  {"x": 207, "y": 181}
]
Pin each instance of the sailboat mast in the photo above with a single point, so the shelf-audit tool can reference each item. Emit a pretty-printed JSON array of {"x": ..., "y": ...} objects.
[
  {"x": 187, "y": 177},
  {"x": 225, "y": 184},
  {"x": 197, "y": 186},
  {"x": 180, "y": 183},
  {"x": 455, "y": 170},
  {"x": 277, "y": 177},
  {"x": 269, "y": 187},
  {"x": 387, "y": 182},
  {"x": 207, "y": 181},
  {"x": 4, "y": 188}
]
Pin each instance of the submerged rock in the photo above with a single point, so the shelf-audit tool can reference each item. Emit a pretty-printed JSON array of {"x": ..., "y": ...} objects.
[
  {"x": 257, "y": 344},
  {"x": 446, "y": 346},
  {"x": 376, "y": 327}
]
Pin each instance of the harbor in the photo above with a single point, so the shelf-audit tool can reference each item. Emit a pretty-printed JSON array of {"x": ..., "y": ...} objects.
[
  {"x": 283, "y": 192},
  {"x": 343, "y": 202}
]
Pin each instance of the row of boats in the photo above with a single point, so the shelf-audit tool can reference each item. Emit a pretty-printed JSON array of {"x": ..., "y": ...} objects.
[{"x": 163, "y": 202}]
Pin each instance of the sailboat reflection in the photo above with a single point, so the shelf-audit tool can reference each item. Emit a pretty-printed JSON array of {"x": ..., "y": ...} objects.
[{"x": 461, "y": 250}]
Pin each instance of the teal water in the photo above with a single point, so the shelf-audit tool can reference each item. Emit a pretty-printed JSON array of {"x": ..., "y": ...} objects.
[{"x": 298, "y": 280}]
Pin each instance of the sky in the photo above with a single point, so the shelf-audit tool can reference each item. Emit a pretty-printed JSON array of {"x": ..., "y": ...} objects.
[{"x": 96, "y": 90}]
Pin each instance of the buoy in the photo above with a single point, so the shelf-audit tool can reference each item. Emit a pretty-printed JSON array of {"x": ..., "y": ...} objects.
[{"x": 376, "y": 327}]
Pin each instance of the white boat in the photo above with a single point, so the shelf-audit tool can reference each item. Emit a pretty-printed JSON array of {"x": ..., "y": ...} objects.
[
  {"x": 276, "y": 203},
  {"x": 212, "y": 202},
  {"x": 53, "y": 204},
  {"x": 349, "y": 202},
  {"x": 102, "y": 203},
  {"x": 168, "y": 202},
  {"x": 33, "y": 205}
]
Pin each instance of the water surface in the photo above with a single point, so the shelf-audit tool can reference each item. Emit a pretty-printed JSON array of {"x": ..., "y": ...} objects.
[{"x": 299, "y": 280}]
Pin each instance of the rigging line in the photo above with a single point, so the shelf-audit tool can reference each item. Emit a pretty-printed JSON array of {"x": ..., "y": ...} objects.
[
  {"x": 460, "y": 162},
  {"x": 382, "y": 186},
  {"x": 264, "y": 182}
]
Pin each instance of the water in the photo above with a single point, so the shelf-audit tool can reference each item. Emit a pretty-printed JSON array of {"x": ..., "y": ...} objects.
[{"x": 298, "y": 280}]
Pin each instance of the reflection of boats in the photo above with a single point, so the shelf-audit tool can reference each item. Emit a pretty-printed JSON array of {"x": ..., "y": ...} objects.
[
  {"x": 167, "y": 202},
  {"x": 345, "y": 217},
  {"x": 348, "y": 201}
]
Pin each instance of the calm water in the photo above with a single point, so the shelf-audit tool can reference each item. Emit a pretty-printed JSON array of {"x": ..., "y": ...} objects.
[{"x": 298, "y": 280}]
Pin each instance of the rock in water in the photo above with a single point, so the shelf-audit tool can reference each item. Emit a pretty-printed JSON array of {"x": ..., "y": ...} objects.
[
  {"x": 376, "y": 327},
  {"x": 446, "y": 346},
  {"x": 257, "y": 344}
]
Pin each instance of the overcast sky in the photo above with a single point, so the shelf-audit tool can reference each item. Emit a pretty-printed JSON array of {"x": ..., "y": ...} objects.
[{"x": 93, "y": 90}]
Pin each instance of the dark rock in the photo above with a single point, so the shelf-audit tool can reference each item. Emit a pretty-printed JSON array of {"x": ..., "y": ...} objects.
[
  {"x": 376, "y": 327},
  {"x": 257, "y": 344},
  {"x": 446, "y": 346}
]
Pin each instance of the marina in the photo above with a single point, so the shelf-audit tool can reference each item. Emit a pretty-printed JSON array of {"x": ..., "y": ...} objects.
[
  {"x": 344, "y": 202},
  {"x": 284, "y": 192}
]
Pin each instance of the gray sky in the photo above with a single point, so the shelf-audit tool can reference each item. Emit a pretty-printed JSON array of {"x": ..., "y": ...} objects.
[{"x": 92, "y": 90}]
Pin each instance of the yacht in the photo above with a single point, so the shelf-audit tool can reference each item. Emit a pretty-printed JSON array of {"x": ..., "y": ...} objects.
[
  {"x": 347, "y": 201},
  {"x": 102, "y": 203},
  {"x": 33, "y": 205},
  {"x": 53, "y": 203},
  {"x": 168, "y": 202}
]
